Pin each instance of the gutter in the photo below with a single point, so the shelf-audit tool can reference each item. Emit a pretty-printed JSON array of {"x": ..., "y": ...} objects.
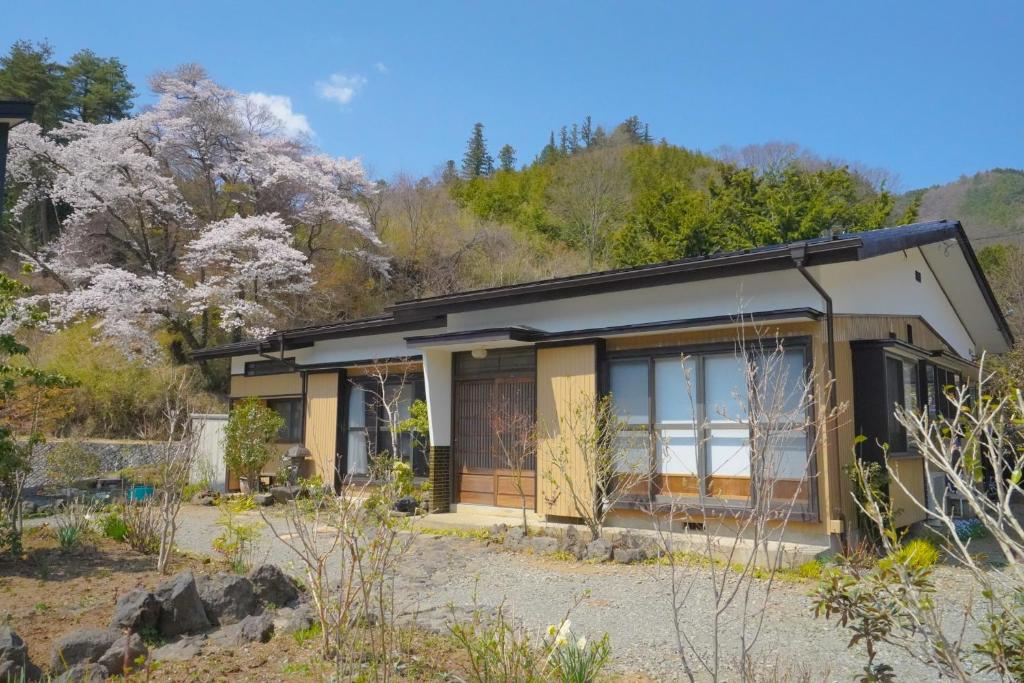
[{"x": 798, "y": 252}]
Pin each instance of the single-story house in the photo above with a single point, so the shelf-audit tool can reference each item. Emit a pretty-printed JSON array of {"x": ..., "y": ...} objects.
[{"x": 894, "y": 315}]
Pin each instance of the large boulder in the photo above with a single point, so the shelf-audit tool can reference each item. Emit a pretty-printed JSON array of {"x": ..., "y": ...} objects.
[
  {"x": 124, "y": 654},
  {"x": 181, "y": 608},
  {"x": 84, "y": 646},
  {"x": 89, "y": 672},
  {"x": 273, "y": 586},
  {"x": 14, "y": 659},
  {"x": 136, "y": 610},
  {"x": 227, "y": 598}
]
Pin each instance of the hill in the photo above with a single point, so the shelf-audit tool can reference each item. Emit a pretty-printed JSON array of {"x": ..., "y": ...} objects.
[{"x": 990, "y": 204}]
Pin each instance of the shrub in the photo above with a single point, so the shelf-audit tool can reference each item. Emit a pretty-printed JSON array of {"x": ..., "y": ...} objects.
[
  {"x": 73, "y": 523},
  {"x": 809, "y": 570},
  {"x": 249, "y": 437},
  {"x": 141, "y": 520},
  {"x": 919, "y": 553},
  {"x": 237, "y": 541},
  {"x": 114, "y": 526}
]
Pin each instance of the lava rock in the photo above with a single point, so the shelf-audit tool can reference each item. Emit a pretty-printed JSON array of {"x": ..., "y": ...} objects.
[
  {"x": 599, "y": 550},
  {"x": 542, "y": 545},
  {"x": 628, "y": 555},
  {"x": 284, "y": 494},
  {"x": 90, "y": 672},
  {"x": 125, "y": 649},
  {"x": 83, "y": 646},
  {"x": 273, "y": 586},
  {"x": 181, "y": 608},
  {"x": 514, "y": 538},
  {"x": 263, "y": 499},
  {"x": 14, "y": 657},
  {"x": 406, "y": 504},
  {"x": 292, "y": 619},
  {"x": 181, "y": 650},
  {"x": 227, "y": 598},
  {"x": 136, "y": 610},
  {"x": 572, "y": 543}
]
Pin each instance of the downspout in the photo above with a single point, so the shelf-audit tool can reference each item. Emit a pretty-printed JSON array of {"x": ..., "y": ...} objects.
[{"x": 798, "y": 252}]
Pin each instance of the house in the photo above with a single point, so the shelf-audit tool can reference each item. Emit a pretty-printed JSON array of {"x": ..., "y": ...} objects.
[{"x": 893, "y": 315}]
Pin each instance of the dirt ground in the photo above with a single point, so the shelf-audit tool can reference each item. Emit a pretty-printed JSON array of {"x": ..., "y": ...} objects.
[{"x": 48, "y": 592}]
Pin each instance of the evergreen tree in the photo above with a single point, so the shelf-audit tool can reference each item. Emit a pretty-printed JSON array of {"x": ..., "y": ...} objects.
[
  {"x": 29, "y": 72},
  {"x": 507, "y": 158},
  {"x": 574, "y": 139},
  {"x": 563, "y": 141},
  {"x": 476, "y": 162},
  {"x": 586, "y": 132},
  {"x": 450, "y": 174},
  {"x": 550, "y": 152},
  {"x": 99, "y": 90}
]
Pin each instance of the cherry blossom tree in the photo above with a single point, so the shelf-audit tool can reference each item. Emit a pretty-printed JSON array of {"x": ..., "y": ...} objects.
[{"x": 198, "y": 216}]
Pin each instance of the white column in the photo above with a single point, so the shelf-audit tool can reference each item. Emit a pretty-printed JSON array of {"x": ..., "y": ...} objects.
[{"x": 437, "y": 372}]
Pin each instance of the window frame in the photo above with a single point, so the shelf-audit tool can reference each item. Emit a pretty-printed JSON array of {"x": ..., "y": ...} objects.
[
  {"x": 416, "y": 382},
  {"x": 803, "y": 343},
  {"x": 298, "y": 430}
]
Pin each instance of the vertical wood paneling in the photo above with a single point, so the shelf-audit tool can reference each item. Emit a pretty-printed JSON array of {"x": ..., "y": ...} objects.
[
  {"x": 566, "y": 375},
  {"x": 910, "y": 472},
  {"x": 322, "y": 422}
]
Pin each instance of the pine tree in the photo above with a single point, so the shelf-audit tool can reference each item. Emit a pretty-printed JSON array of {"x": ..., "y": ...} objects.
[
  {"x": 550, "y": 152},
  {"x": 450, "y": 174},
  {"x": 563, "y": 141},
  {"x": 28, "y": 72},
  {"x": 476, "y": 162},
  {"x": 507, "y": 158},
  {"x": 98, "y": 88},
  {"x": 586, "y": 132},
  {"x": 574, "y": 139}
]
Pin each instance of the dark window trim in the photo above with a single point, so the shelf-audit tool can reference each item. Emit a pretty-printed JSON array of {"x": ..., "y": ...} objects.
[
  {"x": 345, "y": 384},
  {"x": 800, "y": 342},
  {"x": 264, "y": 368}
]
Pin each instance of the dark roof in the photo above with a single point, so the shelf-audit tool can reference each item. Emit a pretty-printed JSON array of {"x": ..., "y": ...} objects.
[
  {"x": 301, "y": 337},
  {"x": 432, "y": 311},
  {"x": 841, "y": 247},
  {"x": 16, "y": 109}
]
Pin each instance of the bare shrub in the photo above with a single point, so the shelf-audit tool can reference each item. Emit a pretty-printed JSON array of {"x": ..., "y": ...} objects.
[
  {"x": 592, "y": 461},
  {"x": 747, "y": 540},
  {"x": 897, "y": 601},
  {"x": 516, "y": 435}
]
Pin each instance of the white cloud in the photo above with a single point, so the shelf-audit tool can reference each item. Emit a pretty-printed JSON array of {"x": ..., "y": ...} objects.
[
  {"x": 340, "y": 88},
  {"x": 281, "y": 107},
  {"x": 381, "y": 67}
]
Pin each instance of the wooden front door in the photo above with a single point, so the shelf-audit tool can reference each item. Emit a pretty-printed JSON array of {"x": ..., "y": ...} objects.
[{"x": 494, "y": 419}]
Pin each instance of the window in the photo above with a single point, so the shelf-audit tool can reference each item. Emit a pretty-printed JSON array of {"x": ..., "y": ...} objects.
[
  {"x": 697, "y": 417},
  {"x": 368, "y": 430},
  {"x": 291, "y": 410},
  {"x": 275, "y": 366},
  {"x": 901, "y": 390}
]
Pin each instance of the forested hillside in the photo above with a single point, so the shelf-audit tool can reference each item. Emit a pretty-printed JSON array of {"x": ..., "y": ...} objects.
[
  {"x": 990, "y": 205},
  {"x": 198, "y": 220}
]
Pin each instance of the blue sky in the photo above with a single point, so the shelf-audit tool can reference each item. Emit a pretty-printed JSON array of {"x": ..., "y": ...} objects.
[{"x": 928, "y": 90}]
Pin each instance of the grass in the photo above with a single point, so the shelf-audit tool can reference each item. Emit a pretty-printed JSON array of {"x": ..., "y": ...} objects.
[
  {"x": 307, "y": 634},
  {"x": 477, "y": 534}
]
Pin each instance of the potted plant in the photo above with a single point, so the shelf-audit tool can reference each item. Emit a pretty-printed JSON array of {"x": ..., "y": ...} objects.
[{"x": 249, "y": 440}]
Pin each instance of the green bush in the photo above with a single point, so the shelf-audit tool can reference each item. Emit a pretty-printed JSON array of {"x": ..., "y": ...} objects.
[
  {"x": 68, "y": 462},
  {"x": 114, "y": 526},
  {"x": 919, "y": 553},
  {"x": 249, "y": 438}
]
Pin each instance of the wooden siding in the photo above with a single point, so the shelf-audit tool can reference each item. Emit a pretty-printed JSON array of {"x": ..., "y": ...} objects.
[
  {"x": 910, "y": 472},
  {"x": 289, "y": 384},
  {"x": 394, "y": 370},
  {"x": 715, "y": 336},
  {"x": 853, "y": 327},
  {"x": 322, "y": 422},
  {"x": 565, "y": 376}
]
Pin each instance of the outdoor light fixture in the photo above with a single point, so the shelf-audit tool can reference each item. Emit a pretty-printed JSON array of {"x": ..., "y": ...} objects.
[
  {"x": 479, "y": 354},
  {"x": 12, "y": 112}
]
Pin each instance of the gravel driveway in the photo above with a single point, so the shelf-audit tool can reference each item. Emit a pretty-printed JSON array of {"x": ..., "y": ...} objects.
[{"x": 630, "y": 603}]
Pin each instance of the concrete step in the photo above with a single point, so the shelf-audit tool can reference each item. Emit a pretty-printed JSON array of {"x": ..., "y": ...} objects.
[{"x": 491, "y": 511}]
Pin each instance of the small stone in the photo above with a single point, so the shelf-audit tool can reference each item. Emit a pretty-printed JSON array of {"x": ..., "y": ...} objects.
[
  {"x": 127, "y": 649},
  {"x": 181, "y": 609},
  {"x": 283, "y": 494},
  {"x": 599, "y": 550},
  {"x": 272, "y": 586},
  {"x": 179, "y": 651},
  {"x": 136, "y": 610},
  {"x": 498, "y": 530},
  {"x": 227, "y": 598},
  {"x": 81, "y": 647},
  {"x": 263, "y": 499}
]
